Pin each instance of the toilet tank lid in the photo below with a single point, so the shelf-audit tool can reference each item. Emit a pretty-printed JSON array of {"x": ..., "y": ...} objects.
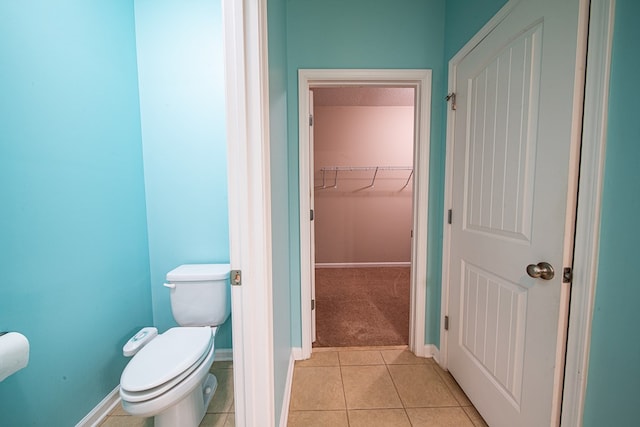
[{"x": 199, "y": 272}]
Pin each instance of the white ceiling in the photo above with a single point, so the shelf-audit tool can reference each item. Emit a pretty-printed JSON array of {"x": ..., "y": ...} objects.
[{"x": 363, "y": 96}]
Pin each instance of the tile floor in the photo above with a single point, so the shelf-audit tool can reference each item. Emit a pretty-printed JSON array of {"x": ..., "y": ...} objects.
[
  {"x": 376, "y": 387},
  {"x": 220, "y": 412},
  {"x": 351, "y": 387}
]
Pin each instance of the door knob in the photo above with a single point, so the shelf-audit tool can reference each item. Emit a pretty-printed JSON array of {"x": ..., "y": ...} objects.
[{"x": 542, "y": 270}]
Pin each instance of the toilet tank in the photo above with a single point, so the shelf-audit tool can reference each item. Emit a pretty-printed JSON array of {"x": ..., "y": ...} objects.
[{"x": 200, "y": 294}]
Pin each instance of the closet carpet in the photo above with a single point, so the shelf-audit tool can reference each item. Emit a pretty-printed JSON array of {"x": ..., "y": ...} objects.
[{"x": 362, "y": 306}]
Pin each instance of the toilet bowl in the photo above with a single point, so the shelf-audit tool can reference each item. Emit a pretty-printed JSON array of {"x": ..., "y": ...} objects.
[{"x": 169, "y": 378}]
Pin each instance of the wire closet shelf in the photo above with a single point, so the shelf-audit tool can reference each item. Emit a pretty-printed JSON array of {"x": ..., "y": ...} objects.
[{"x": 375, "y": 169}]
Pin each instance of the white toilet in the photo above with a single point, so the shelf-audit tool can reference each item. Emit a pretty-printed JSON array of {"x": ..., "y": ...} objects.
[{"x": 168, "y": 377}]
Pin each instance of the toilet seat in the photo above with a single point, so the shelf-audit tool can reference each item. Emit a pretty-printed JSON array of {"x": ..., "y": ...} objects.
[{"x": 165, "y": 361}]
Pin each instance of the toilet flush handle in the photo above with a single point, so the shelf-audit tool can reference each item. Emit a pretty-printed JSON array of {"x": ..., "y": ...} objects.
[{"x": 170, "y": 285}]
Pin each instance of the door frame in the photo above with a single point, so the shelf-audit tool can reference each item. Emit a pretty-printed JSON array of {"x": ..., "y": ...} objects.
[
  {"x": 585, "y": 267},
  {"x": 599, "y": 36},
  {"x": 247, "y": 121},
  {"x": 420, "y": 80}
]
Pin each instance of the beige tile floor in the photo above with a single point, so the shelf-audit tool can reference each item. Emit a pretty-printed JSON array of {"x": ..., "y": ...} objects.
[
  {"x": 351, "y": 387},
  {"x": 219, "y": 413},
  {"x": 376, "y": 387}
]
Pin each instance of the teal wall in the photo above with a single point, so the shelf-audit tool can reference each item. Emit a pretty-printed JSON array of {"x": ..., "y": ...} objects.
[
  {"x": 614, "y": 369},
  {"x": 83, "y": 248},
  {"x": 74, "y": 255},
  {"x": 369, "y": 34},
  {"x": 181, "y": 79},
  {"x": 279, "y": 198},
  {"x": 464, "y": 18}
]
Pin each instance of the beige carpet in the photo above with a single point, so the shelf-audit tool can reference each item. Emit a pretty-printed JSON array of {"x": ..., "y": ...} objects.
[{"x": 362, "y": 306}]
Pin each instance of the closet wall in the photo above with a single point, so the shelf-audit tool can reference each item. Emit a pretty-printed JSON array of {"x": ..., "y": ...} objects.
[{"x": 363, "y": 216}]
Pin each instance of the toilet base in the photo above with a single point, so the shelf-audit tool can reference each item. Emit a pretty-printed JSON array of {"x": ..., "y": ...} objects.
[{"x": 190, "y": 411}]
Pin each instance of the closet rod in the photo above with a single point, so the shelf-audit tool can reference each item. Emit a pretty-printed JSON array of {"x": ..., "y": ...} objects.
[
  {"x": 365, "y": 168},
  {"x": 337, "y": 169}
]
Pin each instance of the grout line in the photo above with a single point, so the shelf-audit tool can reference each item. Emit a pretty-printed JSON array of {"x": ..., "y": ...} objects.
[
  {"x": 450, "y": 387},
  {"x": 363, "y": 364},
  {"x": 404, "y": 406},
  {"x": 395, "y": 387},
  {"x": 344, "y": 395},
  {"x": 360, "y": 348},
  {"x": 468, "y": 417}
]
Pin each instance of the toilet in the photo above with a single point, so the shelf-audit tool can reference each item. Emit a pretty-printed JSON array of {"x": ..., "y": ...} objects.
[{"x": 168, "y": 377}]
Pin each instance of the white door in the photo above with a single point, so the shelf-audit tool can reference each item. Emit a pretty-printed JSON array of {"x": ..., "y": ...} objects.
[
  {"x": 312, "y": 230},
  {"x": 512, "y": 205}
]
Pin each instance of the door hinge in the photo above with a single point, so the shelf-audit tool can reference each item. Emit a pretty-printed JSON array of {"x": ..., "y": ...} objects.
[
  {"x": 452, "y": 97},
  {"x": 446, "y": 323},
  {"x": 236, "y": 277},
  {"x": 449, "y": 216},
  {"x": 310, "y": 120},
  {"x": 313, "y": 304},
  {"x": 567, "y": 275},
  {"x": 311, "y": 215}
]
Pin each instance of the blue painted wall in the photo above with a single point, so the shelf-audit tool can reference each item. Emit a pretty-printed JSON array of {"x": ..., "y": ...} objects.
[
  {"x": 181, "y": 79},
  {"x": 614, "y": 372},
  {"x": 464, "y": 18},
  {"x": 77, "y": 249},
  {"x": 281, "y": 256},
  {"x": 368, "y": 34},
  {"x": 74, "y": 256}
]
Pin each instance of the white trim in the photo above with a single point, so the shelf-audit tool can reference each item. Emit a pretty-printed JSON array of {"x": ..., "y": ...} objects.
[
  {"x": 249, "y": 209},
  {"x": 223, "y": 354},
  {"x": 361, "y": 264},
  {"x": 102, "y": 409},
  {"x": 601, "y": 23},
  {"x": 297, "y": 353},
  {"x": 448, "y": 191},
  {"x": 421, "y": 81},
  {"x": 572, "y": 204},
  {"x": 284, "y": 414},
  {"x": 431, "y": 352}
]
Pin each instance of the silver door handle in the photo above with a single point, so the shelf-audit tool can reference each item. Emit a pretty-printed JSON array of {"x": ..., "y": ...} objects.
[{"x": 542, "y": 270}]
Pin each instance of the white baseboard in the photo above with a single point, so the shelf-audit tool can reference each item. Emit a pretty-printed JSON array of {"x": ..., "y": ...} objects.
[
  {"x": 284, "y": 414},
  {"x": 297, "y": 353},
  {"x": 100, "y": 412},
  {"x": 223, "y": 354},
  {"x": 361, "y": 264},
  {"x": 432, "y": 351}
]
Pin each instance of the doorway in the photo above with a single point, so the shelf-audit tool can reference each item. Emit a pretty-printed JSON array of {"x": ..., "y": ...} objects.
[
  {"x": 419, "y": 81},
  {"x": 363, "y": 191}
]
